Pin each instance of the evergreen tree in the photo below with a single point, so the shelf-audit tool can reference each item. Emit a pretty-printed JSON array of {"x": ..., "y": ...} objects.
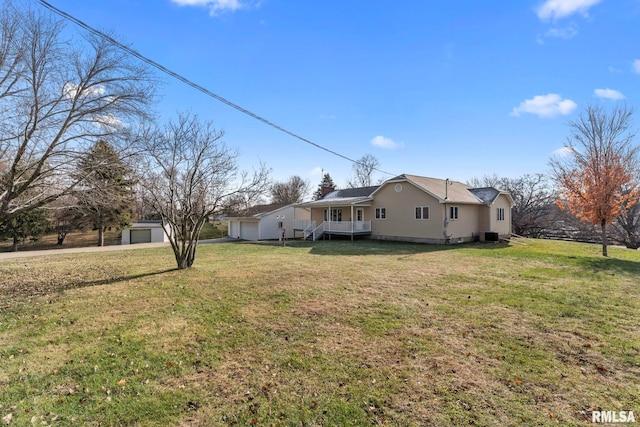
[
  {"x": 28, "y": 225},
  {"x": 106, "y": 194},
  {"x": 325, "y": 186}
]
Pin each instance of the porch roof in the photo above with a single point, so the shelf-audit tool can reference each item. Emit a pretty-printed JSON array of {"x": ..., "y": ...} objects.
[
  {"x": 342, "y": 201},
  {"x": 344, "y": 197}
]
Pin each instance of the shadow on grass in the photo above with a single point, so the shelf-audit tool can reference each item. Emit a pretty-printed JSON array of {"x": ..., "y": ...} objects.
[
  {"x": 25, "y": 291},
  {"x": 123, "y": 278},
  {"x": 607, "y": 265},
  {"x": 386, "y": 247}
]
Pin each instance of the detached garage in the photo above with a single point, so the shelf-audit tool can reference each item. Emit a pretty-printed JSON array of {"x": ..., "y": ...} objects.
[
  {"x": 144, "y": 232},
  {"x": 265, "y": 222}
]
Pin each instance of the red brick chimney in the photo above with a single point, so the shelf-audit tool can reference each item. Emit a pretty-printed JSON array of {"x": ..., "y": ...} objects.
[{"x": 326, "y": 190}]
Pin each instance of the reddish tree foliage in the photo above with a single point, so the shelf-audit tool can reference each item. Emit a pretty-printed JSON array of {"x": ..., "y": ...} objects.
[{"x": 597, "y": 176}]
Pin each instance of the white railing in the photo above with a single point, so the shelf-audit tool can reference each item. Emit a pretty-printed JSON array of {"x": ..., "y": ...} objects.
[
  {"x": 309, "y": 228},
  {"x": 316, "y": 232},
  {"x": 347, "y": 226}
]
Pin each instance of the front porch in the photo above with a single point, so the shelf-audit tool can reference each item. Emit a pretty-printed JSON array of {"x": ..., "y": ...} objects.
[{"x": 328, "y": 228}]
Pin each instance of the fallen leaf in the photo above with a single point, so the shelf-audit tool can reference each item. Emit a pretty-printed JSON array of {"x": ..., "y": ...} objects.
[
  {"x": 7, "y": 419},
  {"x": 122, "y": 382}
]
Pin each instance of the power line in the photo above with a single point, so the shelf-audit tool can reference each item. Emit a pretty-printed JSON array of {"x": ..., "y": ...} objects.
[{"x": 193, "y": 84}]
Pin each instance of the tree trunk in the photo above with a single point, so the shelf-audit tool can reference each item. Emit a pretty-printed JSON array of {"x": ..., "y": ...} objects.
[
  {"x": 100, "y": 232},
  {"x": 603, "y": 225},
  {"x": 14, "y": 246},
  {"x": 61, "y": 235}
]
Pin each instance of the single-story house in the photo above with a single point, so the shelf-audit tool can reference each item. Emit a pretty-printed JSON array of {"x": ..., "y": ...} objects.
[
  {"x": 144, "y": 232},
  {"x": 411, "y": 208},
  {"x": 265, "y": 222}
]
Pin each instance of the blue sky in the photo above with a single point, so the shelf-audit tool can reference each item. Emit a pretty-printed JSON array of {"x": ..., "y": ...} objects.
[{"x": 456, "y": 89}]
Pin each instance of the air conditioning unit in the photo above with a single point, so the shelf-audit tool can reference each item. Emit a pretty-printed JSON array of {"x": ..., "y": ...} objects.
[{"x": 489, "y": 236}]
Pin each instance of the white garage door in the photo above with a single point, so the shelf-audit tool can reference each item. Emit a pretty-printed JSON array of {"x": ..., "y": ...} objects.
[
  {"x": 141, "y": 236},
  {"x": 233, "y": 229},
  {"x": 249, "y": 230}
]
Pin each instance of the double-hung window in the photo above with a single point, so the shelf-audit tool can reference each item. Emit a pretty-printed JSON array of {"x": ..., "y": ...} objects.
[
  {"x": 453, "y": 212},
  {"x": 381, "y": 213},
  {"x": 422, "y": 212},
  {"x": 500, "y": 214}
]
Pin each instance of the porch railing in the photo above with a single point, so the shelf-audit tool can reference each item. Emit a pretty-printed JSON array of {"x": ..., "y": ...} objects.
[{"x": 347, "y": 226}]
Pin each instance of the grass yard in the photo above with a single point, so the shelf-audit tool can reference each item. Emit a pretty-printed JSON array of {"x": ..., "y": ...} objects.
[{"x": 322, "y": 334}]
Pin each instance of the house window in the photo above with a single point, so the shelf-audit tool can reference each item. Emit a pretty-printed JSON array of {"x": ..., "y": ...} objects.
[
  {"x": 333, "y": 214},
  {"x": 453, "y": 212},
  {"x": 359, "y": 214},
  {"x": 422, "y": 212},
  {"x": 279, "y": 224},
  {"x": 381, "y": 213},
  {"x": 500, "y": 214}
]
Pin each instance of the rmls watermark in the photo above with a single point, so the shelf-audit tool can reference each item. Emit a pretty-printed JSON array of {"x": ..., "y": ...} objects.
[{"x": 613, "y": 417}]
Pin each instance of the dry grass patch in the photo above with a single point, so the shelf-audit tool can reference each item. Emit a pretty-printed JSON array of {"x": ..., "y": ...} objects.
[{"x": 325, "y": 333}]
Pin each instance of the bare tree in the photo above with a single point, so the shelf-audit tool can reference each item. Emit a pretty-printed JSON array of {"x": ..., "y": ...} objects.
[
  {"x": 534, "y": 199},
  {"x": 293, "y": 190},
  {"x": 362, "y": 171},
  {"x": 58, "y": 95},
  {"x": 190, "y": 175},
  {"x": 66, "y": 218},
  {"x": 597, "y": 179},
  {"x": 489, "y": 181},
  {"x": 626, "y": 227}
]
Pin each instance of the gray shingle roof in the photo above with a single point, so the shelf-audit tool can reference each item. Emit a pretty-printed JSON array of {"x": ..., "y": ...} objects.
[
  {"x": 485, "y": 194},
  {"x": 351, "y": 192},
  {"x": 257, "y": 211}
]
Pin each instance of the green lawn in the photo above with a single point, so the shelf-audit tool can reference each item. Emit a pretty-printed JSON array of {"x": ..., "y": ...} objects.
[{"x": 322, "y": 334}]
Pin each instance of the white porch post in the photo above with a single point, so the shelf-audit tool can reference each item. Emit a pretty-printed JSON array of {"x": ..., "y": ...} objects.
[{"x": 352, "y": 222}]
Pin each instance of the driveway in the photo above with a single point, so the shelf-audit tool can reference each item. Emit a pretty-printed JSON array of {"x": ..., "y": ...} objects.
[{"x": 24, "y": 254}]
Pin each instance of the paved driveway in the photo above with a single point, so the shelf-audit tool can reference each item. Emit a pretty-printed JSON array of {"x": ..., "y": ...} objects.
[{"x": 23, "y": 254}]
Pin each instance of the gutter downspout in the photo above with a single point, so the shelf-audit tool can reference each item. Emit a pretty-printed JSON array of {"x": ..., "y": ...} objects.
[{"x": 447, "y": 237}]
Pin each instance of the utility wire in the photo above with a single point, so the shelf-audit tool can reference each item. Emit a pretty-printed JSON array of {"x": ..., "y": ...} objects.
[{"x": 193, "y": 84}]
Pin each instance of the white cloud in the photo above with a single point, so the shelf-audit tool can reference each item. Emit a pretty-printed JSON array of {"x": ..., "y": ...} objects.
[
  {"x": 557, "y": 9},
  {"x": 317, "y": 171},
  {"x": 564, "y": 152},
  {"x": 608, "y": 93},
  {"x": 563, "y": 33},
  {"x": 384, "y": 142},
  {"x": 215, "y": 6},
  {"x": 70, "y": 90},
  {"x": 109, "y": 122},
  {"x": 636, "y": 66},
  {"x": 544, "y": 106}
]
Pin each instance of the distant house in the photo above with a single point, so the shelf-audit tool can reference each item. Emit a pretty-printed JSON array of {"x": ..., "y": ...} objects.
[
  {"x": 265, "y": 222},
  {"x": 411, "y": 208},
  {"x": 144, "y": 232}
]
